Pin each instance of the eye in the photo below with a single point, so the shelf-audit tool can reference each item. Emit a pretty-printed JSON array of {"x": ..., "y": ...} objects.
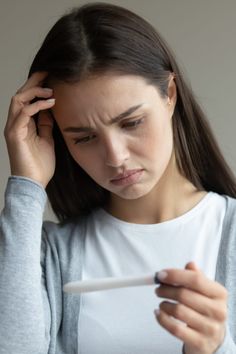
[
  {"x": 133, "y": 124},
  {"x": 83, "y": 140}
]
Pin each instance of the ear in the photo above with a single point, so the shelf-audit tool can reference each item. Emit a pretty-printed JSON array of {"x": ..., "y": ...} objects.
[{"x": 172, "y": 93}]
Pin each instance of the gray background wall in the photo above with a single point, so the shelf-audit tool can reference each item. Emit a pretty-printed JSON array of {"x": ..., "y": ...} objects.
[{"x": 201, "y": 32}]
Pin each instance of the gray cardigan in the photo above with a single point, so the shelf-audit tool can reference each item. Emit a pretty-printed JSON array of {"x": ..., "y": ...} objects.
[{"x": 36, "y": 317}]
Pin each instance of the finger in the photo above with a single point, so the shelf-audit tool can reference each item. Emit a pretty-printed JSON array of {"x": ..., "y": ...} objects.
[
  {"x": 29, "y": 94},
  {"x": 188, "y": 316},
  {"x": 36, "y": 78},
  {"x": 196, "y": 281},
  {"x": 215, "y": 309},
  {"x": 177, "y": 328},
  {"x": 32, "y": 109},
  {"x": 192, "y": 266},
  {"x": 28, "y": 111},
  {"x": 189, "y": 336},
  {"x": 20, "y": 100},
  {"x": 45, "y": 124}
]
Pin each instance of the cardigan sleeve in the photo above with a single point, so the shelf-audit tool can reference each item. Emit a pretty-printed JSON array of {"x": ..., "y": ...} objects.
[{"x": 24, "y": 306}]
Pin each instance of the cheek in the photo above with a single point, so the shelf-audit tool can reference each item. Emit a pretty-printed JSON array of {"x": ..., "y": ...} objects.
[
  {"x": 80, "y": 158},
  {"x": 87, "y": 160},
  {"x": 159, "y": 141}
]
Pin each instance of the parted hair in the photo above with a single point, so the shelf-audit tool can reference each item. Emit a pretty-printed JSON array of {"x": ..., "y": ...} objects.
[{"x": 99, "y": 37}]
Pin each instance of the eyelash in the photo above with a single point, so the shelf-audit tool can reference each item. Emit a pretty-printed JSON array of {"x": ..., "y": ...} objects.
[
  {"x": 129, "y": 125},
  {"x": 134, "y": 123}
]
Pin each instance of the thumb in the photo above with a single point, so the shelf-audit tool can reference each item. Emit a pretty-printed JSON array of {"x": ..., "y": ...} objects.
[
  {"x": 45, "y": 124},
  {"x": 192, "y": 266}
]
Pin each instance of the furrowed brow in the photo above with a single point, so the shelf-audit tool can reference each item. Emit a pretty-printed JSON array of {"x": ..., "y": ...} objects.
[
  {"x": 114, "y": 120},
  {"x": 127, "y": 113}
]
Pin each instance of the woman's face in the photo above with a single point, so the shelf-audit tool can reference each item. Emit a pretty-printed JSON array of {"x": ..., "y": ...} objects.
[{"x": 118, "y": 129}]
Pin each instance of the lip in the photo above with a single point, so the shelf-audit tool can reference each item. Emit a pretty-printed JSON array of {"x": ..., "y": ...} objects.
[
  {"x": 129, "y": 177},
  {"x": 125, "y": 174}
]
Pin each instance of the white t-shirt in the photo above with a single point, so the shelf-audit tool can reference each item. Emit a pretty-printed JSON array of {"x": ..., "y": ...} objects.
[{"x": 121, "y": 321}]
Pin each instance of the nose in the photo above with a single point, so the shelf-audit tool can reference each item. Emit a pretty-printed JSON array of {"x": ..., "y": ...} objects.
[{"x": 116, "y": 151}]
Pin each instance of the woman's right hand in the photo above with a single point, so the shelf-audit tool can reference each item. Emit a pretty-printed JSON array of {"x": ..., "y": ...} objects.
[{"x": 31, "y": 155}]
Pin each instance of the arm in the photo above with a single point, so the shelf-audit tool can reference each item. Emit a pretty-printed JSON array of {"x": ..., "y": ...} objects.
[
  {"x": 24, "y": 308},
  {"x": 25, "y": 315}
]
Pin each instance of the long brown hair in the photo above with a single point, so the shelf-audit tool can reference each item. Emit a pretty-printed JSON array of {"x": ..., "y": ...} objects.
[{"x": 100, "y": 37}]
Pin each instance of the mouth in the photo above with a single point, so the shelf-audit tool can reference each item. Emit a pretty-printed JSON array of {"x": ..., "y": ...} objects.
[{"x": 128, "y": 177}]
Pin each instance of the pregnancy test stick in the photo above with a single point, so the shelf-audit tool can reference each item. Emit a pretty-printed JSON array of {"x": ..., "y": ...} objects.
[{"x": 84, "y": 286}]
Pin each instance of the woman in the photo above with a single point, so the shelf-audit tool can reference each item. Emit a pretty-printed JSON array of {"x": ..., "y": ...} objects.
[{"x": 108, "y": 127}]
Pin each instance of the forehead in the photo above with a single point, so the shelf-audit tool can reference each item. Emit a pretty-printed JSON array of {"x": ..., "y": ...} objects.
[
  {"x": 108, "y": 94},
  {"x": 106, "y": 84}
]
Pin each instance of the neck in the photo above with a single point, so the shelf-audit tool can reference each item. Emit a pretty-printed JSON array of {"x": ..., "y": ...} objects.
[{"x": 173, "y": 196}]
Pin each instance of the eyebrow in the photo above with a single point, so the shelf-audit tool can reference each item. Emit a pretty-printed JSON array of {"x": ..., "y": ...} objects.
[{"x": 114, "y": 120}]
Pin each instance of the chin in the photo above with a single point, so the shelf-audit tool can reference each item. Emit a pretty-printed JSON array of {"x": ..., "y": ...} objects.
[{"x": 132, "y": 194}]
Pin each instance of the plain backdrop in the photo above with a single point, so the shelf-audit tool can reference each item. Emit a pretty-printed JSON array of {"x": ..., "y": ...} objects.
[{"x": 201, "y": 33}]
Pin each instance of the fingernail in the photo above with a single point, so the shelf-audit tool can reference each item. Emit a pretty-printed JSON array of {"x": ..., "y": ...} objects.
[
  {"x": 47, "y": 89},
  {"x": 162, "y": 275},
  {"x": 157, "y": 312},
  {"x": 51, "y": 100}
]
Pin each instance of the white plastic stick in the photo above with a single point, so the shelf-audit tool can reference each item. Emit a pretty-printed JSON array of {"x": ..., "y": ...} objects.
[{"x": 109, "y": 283}]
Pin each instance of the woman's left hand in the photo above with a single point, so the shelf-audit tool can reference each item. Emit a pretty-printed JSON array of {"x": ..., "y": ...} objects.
[{"x": 201, "y": 304}]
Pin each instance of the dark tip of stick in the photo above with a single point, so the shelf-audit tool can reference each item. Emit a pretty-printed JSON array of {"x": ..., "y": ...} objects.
[{"x": 156, "y": 280}]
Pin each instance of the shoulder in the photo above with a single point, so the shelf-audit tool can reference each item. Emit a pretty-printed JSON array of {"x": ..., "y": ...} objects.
[
  {"x": 229, "y": 225},
  {"x": 62, "y": 229},
  {"x": 64, "y": 238},
  {"x": 230, "y": 208},
  {"x": 230, "y": 200}
]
